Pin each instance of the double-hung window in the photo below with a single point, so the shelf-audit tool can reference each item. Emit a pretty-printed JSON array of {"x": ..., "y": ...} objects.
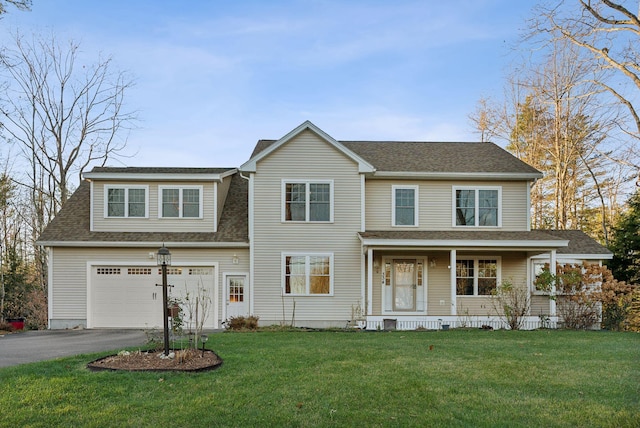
[
  {"x": 307, "y": 274},
  {"x": 180, "y": 202},
  {"x": 126, "y": 201},
  {"x": 404, "y": 210},
  {"x": 476, "y": 276},
  {"x": 477, "y": 206},
  {"x": 307, "y": 201}
]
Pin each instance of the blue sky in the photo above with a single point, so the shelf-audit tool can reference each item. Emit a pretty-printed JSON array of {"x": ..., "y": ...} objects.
[{"x": 213, "y": 77}]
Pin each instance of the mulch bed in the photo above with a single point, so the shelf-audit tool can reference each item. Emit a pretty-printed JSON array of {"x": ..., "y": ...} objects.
[{"x": 189, "y": 360}]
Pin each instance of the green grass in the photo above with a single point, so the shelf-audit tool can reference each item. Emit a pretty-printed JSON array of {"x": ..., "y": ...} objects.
[{"x": 469, "y": 378}]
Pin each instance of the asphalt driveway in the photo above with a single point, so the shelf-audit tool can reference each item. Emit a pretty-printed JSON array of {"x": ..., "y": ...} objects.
[{"x": 31, "y": 346}]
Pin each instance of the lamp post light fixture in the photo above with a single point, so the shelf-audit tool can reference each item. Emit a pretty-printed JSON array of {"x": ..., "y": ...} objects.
[
  {"x": 164, "y": 260},
  {"x": 203, "y": 338}
]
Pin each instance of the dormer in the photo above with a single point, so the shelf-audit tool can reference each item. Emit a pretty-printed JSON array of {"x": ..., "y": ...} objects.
[{"x": 139, "y": 199}]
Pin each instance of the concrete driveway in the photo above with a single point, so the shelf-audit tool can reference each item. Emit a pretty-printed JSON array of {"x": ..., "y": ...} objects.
[{"x": 30, "y": 346}]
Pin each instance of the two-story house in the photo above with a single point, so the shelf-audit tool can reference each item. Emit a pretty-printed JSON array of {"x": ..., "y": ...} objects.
[{"x": 310, "y": 231}]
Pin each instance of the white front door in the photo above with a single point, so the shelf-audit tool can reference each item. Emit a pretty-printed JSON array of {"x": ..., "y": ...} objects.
[
  {"x": 237, "y": 296},
  {"x": 404, "y": 290}
]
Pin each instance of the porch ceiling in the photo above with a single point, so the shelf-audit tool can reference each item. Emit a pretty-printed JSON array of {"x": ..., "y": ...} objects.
[{"x": 445, "y": 239}]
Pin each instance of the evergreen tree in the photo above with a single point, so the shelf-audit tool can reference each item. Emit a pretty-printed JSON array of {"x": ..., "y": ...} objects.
[{"x": 625, "y": 244}]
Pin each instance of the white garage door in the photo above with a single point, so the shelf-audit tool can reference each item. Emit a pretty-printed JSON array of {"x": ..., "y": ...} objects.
[{"x": 127, "y": 296}]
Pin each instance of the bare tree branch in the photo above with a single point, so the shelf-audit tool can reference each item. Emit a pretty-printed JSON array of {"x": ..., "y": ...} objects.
[{"x": 63, "y": 117}]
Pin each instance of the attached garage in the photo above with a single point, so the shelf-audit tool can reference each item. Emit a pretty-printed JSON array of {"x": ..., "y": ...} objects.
[{"x": 128, "y": 297}]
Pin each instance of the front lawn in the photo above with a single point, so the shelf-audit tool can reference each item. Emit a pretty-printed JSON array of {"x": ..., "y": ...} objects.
[{"x": 343, "y": 379}]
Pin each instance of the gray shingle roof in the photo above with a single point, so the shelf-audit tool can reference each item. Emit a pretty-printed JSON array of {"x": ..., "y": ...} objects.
[
  {"x": 158, "y": 170},
  {"x": 579, "y": 243},
  {"x": 461, "y": 235},
  {"x": 72, "y": 222},
  {"x": 432, "y": 157}
]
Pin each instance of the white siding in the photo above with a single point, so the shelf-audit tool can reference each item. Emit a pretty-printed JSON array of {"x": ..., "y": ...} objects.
[
  {"x": 436, "y": 203},
  {"x": 306, "y": 157},
  {"x": 153, "y": 223},
  {"x": 69, "y": 272}
]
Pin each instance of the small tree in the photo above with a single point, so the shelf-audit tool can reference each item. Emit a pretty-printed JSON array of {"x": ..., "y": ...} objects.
[
  {"x": 197, "y": 309},
  {"x": 617, "y": 302},
  {"x": 511, "y": 304},
  {"x": 587, "y": 292}
]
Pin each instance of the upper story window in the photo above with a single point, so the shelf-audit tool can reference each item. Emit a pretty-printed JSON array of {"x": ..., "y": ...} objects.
[
  {"x": 126, "y": 201},
  {"x": 404, "y": 210},
  {"x": 307, "y": 201},
  {"x": 477, "y": 206},
  {"x": 476, "y": 276},
  {"x": 308, "y": 274},
  {"x": 181, "y": 202}
]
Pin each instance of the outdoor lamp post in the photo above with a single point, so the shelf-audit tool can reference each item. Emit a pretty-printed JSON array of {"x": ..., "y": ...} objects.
[
  {"x": 164, "y": 260},
  {"x": 203, "y": 338}
]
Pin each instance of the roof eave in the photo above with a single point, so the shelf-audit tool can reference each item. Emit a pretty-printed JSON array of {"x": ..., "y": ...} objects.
[
  {"x": 503, "y": 176},
  {"x": 590, "y": 256},
  {"x": 149, "y": 176},
  {"x": 140, "y": 244},
  {"x": 467, "y": 244}
]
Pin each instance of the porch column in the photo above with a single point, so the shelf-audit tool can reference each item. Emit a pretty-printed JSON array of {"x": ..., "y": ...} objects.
[
  {"x": 554, "y": 271},
  {"x": 369, "y": 281},
  {"x": 452, "y": 276}
]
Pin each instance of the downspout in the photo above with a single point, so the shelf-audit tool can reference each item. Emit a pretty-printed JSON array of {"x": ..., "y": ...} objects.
[{"x": 250, "y": 218}]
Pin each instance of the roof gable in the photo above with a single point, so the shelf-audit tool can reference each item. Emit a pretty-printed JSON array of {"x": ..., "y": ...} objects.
[{"x": 266, "y": 147}]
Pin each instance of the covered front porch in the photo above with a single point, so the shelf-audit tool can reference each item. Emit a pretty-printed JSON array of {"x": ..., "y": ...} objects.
[{"x": 427, "y": 280}]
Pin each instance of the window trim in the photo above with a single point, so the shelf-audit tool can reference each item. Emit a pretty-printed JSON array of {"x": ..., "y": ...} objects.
[
  {"x": 181, "y": 188},
  {"x": 307, "y": 256},
  {"x": 306, "y": 182},
  {"x": 126, "y": 188},
  {"x": 476, "y": 190},
  {"x": 416, "y": 204},
  {"x": 534, "y": 276},
  {"x": 475, "y": 259}
]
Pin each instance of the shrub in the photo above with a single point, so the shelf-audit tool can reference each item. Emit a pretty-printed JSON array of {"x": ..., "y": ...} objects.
[
  {"x": 577, "y": 288},
  {"x": 5, "y": 326},
  {"x": 616, "y": 298},
  {"x": 511, "y": 304},
  {"x": 633, "y": 319},
  {"x": 240, "y": 323}
]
